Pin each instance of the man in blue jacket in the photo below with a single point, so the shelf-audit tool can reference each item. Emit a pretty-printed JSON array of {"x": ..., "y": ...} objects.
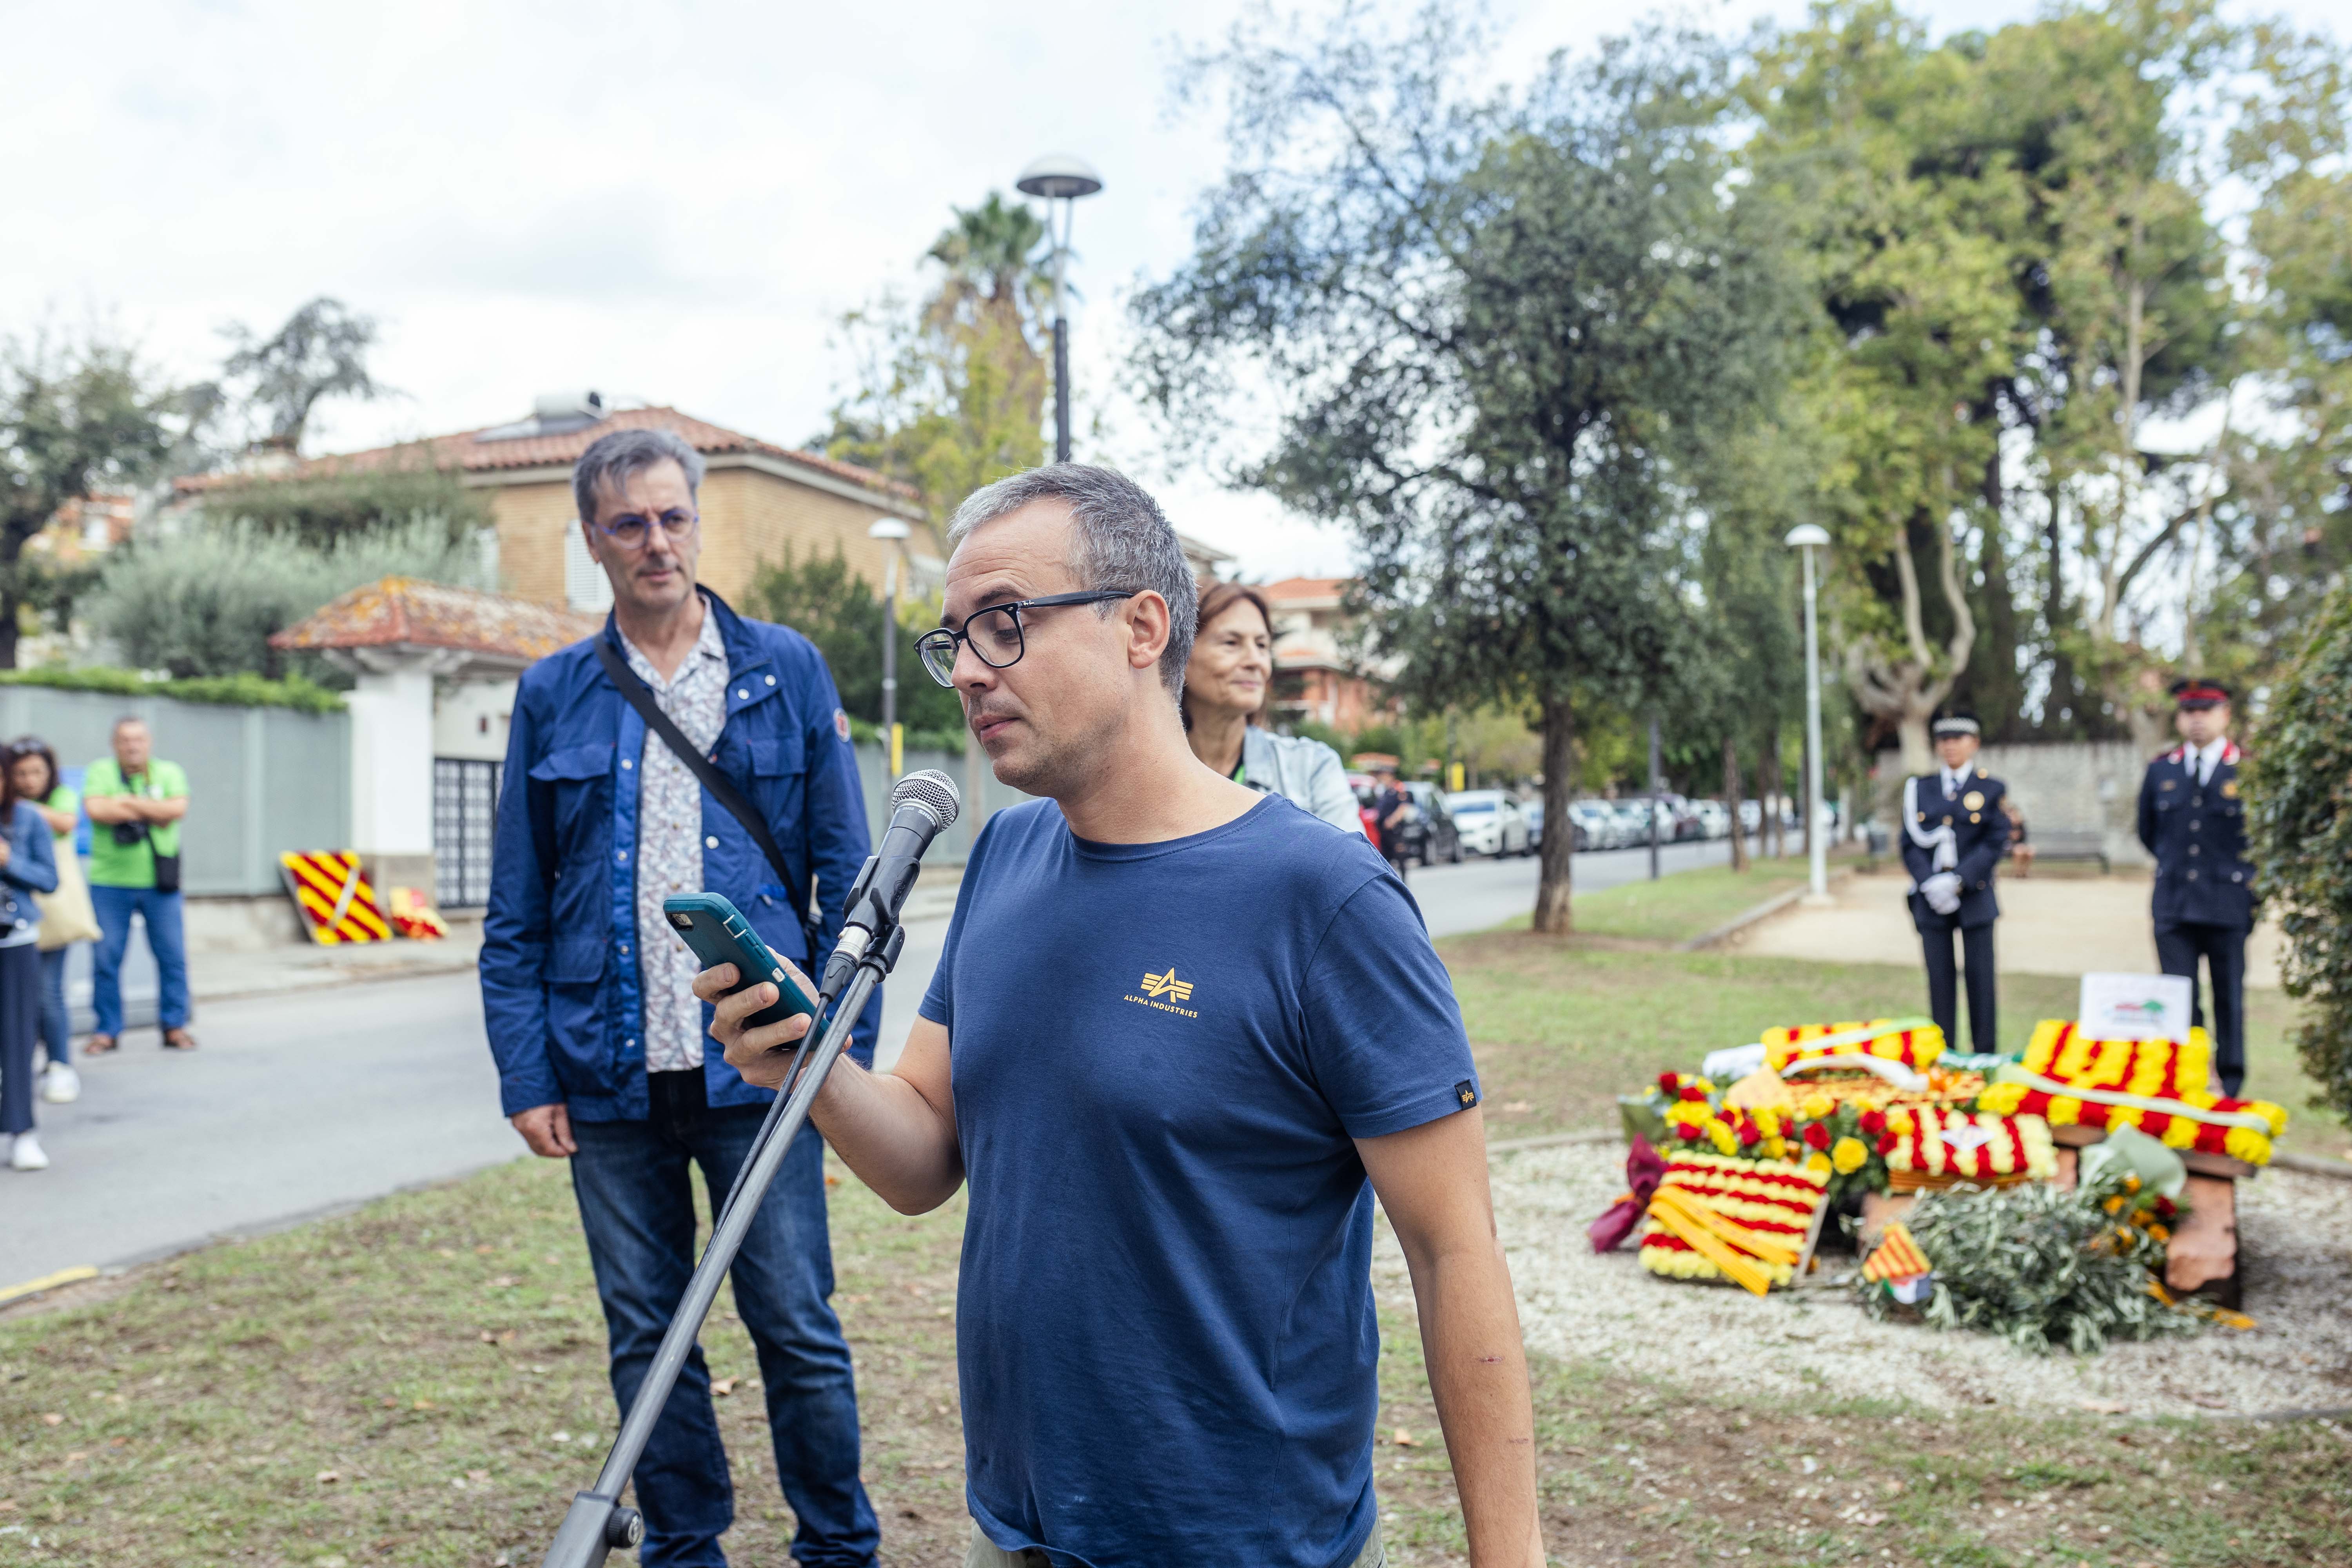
[{"x": 602, "y": 1049}]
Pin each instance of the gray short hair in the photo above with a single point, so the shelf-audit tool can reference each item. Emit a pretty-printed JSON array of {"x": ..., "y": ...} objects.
[
  {"x": 614, "y": 457},
  {"x": 1124, "y": 540}
]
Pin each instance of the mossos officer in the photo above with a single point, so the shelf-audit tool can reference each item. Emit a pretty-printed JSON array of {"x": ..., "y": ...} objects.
[
  {"x": 1954, "y": 832},
  {"x": 2193, "y": 821}
]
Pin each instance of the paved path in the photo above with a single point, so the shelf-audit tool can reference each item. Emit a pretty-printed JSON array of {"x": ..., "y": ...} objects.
[
  {"x": 2049, "y": 925},
  {"x": 308, "y": 1099}
]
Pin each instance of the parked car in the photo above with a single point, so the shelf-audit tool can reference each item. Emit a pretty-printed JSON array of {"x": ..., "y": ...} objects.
[
  {"x": 1489, "y": 822},
  {"x": 1429, "y": 833},
  {"x": 1533, "y": 810},
  {"x": 1598, "y": 826},
  {"x": 1713, "y": 819}
]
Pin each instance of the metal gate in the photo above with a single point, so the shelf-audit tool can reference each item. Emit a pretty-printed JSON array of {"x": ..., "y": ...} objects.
[{"x": 465, "y": 814}]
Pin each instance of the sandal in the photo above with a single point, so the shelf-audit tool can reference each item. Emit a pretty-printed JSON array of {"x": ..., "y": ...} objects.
[
  {"x": 179, "y": 1041},
  {"x": 101, "y": 1045}
]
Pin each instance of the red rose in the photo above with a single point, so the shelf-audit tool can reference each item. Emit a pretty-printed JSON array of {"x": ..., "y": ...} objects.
[
  {"x": 1693, "y": 1091},
  {"x": 2166, "y": 1208},
  {"x": 1817, "y": 1136},
  {"x": 1887, "y": 1141},
  {"x": 1750, "y": 1133},
  {"x": 1688, "y": 1133},
  {"x": 1873, "y": 1121},
  {"x": 1669, "y": 1084}
]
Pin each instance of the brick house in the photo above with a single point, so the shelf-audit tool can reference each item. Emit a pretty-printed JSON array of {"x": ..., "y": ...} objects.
[
  {"x": 757, "y": 497},
  {"x": 1314, "y": 681}
]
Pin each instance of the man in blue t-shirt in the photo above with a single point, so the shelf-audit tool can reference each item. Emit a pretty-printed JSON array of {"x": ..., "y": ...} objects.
[{"x": 1175, "y": 1027}]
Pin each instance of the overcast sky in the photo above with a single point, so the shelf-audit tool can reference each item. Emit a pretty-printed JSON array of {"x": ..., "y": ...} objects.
[{"x": 673, "y": 204}]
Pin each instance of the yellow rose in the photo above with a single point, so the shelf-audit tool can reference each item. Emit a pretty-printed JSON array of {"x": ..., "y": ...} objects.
[
  {"x": 1819, "y": 1163},
  {"x": 2274, "y": 1114},
  {"x": 2179, "y": 1133},
  {"x": 1816, "y": 1106},
  {"x": 2200, "y": 1100},
  {"x": 1767, "y": 1121},
  {"x": 1704, "y": 1086},
  {"x": 1899, "y": 1122},
  {"x": 2064, "y": 1110},
  {"x": 1886, "y": 1049},
  {"x": 1776, "y": 1148},
  {"x": 1720, "y": 1134},
  {"x": 1848, "y": 1155},
  {"x": 2123, "y": 1116},
  {"x": 2245, "y": 1143},
  {"x": 2002, "y": 1098}
]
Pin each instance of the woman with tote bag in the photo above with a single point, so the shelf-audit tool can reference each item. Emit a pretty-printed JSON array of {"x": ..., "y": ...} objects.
[
  {"x": 27, "y": 867},
  {"x": 67, "y": 916}
]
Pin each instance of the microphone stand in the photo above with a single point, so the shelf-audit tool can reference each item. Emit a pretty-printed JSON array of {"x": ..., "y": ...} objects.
[{"x": 596, "y": 1524}]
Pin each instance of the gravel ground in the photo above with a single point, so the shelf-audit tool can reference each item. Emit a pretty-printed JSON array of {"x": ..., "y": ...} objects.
[{"x": 2295, "y": 1232}]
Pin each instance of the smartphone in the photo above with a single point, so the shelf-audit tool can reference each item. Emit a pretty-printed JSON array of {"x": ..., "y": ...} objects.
[{"x": 717, "y": 930}]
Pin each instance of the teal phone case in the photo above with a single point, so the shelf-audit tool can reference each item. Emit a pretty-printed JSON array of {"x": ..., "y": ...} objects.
[{"x": 717, "y": 932}]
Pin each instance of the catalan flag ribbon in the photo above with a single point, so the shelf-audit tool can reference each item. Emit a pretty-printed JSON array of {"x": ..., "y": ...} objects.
[
  {"x": 337, "y": 904},
  {"x": 1896, "y": 1257}
]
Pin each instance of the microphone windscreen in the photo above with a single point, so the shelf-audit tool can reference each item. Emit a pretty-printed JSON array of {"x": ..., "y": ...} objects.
[{"x": 933, "y": 790}]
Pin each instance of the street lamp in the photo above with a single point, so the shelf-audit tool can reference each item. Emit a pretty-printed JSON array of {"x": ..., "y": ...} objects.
[
  {"x": 1059, "y": 178},
  {"x": 892, "y": 530},
  {"x": 1807, "y": 537}
]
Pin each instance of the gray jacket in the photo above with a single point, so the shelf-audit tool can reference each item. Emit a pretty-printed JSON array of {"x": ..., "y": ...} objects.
[{"x": 1306, "y": 773}]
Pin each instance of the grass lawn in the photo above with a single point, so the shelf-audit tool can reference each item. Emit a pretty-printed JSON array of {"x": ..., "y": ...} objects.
[
  {"x": 422, "y": 1381},
  {"x": 1684, "y": 905}
]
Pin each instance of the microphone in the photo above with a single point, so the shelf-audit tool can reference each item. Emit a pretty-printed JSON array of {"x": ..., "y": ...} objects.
[{"x": 923, "y": 805}]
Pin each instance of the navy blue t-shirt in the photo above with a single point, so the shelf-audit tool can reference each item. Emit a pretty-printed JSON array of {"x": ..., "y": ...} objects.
[{"x": 1160, "y": 1055}]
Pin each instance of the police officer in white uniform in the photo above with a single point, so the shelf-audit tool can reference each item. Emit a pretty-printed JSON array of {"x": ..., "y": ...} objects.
[
  {"x": 2192, "y": 820},
  {"x": 1954, "y": 833}
]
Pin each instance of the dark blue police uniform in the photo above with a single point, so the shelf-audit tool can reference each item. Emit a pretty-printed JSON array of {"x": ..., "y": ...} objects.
[
  {"x": 2204, "y": 902},
  {"x": 1979, "y": 835}
]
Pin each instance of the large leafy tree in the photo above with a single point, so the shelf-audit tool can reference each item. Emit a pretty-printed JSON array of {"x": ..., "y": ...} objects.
[
  {"x": 75, "y": 417},
  {"x": 1501, "y": 335},
  {"x": 950, "y": 394},
  {"x": 321, "y": 352}
]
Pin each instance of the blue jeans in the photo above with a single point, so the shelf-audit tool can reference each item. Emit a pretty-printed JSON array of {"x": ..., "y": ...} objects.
[
  {"x": 56, "y": 1022},
  {"x": 160, "y": 912},
  {"x": 635, "y": 1183}
]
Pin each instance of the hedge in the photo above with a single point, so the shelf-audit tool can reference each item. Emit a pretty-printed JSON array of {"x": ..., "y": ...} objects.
[{"x": 222, "y": 690}]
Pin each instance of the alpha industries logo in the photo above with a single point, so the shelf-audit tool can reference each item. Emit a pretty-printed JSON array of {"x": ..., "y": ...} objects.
[{"x": 1158, "y": 986}]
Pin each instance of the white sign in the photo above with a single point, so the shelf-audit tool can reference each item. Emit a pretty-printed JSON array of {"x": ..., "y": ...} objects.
[{"x": 2135, "y": 1007}]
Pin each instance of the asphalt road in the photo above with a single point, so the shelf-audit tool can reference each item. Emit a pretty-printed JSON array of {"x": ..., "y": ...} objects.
[{"x": 310, "y": 1101}]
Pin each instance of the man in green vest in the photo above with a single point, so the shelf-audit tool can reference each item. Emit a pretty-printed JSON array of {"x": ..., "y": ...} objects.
[{"x": 135, "y": 802}]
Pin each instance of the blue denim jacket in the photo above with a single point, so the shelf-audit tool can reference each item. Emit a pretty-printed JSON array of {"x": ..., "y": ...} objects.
[
  {"x": 32, "y": 869},
  {"x": 561, "y": 992}
]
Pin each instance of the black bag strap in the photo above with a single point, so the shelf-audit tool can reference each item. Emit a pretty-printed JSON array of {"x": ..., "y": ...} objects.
[{"x": 722, "y": 788}]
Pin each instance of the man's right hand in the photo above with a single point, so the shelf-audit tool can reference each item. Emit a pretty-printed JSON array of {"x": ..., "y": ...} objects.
[
  {"x": 764, "y": 1055},
  {"x": 547, "y": 1129}
]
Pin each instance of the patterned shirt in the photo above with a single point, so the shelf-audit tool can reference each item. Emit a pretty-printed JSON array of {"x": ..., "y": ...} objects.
[{"x": 669, "y": 844}]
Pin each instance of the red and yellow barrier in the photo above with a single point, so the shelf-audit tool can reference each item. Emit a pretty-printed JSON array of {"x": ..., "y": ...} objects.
[{"x": 337, "y": 907}]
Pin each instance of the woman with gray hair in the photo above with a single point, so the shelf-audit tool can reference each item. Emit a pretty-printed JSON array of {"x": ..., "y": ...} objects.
[{"x": 1228, "y": 684}]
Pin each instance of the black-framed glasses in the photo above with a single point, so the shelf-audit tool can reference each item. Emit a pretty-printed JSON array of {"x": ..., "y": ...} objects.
[
  {"x": 994, "y": 633},
  {"x": 632, "y": 529}
]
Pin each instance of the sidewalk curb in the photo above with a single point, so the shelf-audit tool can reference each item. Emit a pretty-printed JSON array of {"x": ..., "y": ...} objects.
[
  {"x": 1762, "y": 912},
  {"x": 2313, "y": 1164},
  {"x": 369, "y": 975}
]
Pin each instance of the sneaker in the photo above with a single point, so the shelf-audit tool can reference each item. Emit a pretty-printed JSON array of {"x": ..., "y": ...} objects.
[
  {"x": 26, "y": 1155},
  {"x": 60, "y": 1084}
]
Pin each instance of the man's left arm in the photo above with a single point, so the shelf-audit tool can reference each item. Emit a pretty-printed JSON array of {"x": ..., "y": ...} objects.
[
  {"x": 1976, "y": 865},
  {"x": 838, "y": 841},
  {"x": 170, "y": 806},
  {"x": 1432, "y": 1182}
]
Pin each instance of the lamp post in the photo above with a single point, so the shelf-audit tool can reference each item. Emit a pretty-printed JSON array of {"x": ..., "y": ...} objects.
[
  {"x": 892, "y": 530},
  {"x": 1059, "y": 178},
  {"x": 1805, "y": 538}
]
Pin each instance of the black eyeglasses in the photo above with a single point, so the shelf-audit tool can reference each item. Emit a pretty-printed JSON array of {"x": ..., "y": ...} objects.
[
  {"x": 630, "y": 530},
  {"x": 995, "y": 634}
]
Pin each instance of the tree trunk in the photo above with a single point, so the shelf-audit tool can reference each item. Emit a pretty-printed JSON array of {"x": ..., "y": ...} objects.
[
  {"x": 1552, "y": 889},
  {"x": 1907, "y": 688},
  {"x": 1767, "y": 779},
  {"x": 12, "y": 605},
  {"x": 1732, "y": 802}
]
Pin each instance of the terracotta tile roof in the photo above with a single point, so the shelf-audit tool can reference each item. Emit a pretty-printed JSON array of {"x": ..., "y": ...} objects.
[
  {"x": 1292, "y": 588},
  {"x": 405, "y": 611},
  {"x": 468, "y": 452}
]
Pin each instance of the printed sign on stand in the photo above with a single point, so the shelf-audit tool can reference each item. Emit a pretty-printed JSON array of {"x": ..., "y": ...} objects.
[{"x": 2136, "y": 1007}]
